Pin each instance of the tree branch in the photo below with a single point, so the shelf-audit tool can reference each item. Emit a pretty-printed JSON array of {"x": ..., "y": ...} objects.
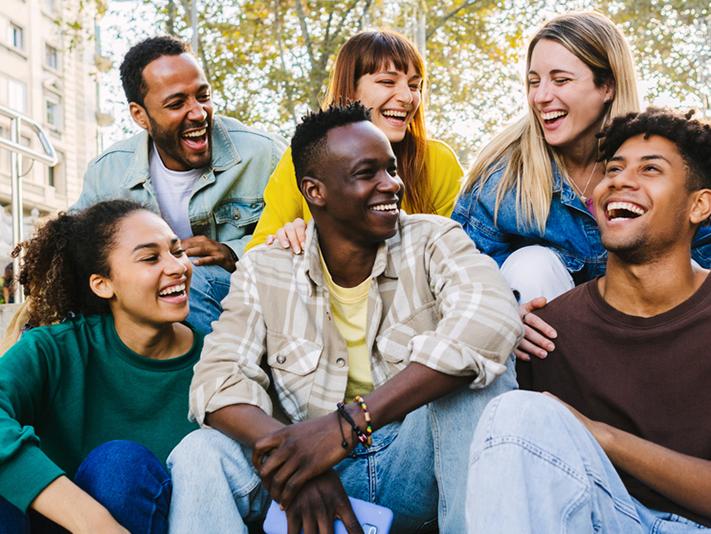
[
  {"x": 441, "y": 21},
  {"x": 305, "y": 31},
  {"x": 280, "y": 46}
]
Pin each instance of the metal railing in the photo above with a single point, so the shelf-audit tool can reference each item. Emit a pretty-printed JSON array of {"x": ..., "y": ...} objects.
[{"x": 17, "y": 150}]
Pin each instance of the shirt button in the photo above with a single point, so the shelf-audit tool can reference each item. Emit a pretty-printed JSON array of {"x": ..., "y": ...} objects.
[
  {"x": 281, "y": 358},
  {"x": 340, "y": 362}
]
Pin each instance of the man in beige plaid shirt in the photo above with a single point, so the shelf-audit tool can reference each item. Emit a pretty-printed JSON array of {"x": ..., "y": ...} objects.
[{"x": 398, "y": 311}]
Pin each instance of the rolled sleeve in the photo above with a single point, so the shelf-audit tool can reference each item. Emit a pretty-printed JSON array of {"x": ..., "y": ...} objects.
[
  {"x": 229, "y": 369},
  {"x": 479, "y": 325}
]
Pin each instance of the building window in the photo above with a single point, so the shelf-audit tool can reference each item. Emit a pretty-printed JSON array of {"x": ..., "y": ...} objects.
[
  {"x": 4, "y": 153},
  {"x": 51, "y": 57},
  {"x": 53, "y": 112},
  {"x": 55, "y": 175},
  {"x": 17, "y": 95},
  {"x": 16, "y": 36}
]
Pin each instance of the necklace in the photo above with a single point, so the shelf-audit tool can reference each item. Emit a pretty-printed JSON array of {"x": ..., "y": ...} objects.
[{"x": 580, "y": 193}]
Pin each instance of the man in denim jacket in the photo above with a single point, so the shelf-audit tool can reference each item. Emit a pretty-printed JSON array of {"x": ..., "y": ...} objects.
[{"x": 204, "y": 174}]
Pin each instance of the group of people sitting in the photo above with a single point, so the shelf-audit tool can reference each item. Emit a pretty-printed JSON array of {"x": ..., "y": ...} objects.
[{"x": 369, "y": 345}]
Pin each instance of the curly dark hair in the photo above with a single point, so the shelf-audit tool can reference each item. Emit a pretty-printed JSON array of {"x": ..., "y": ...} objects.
[
  {"x": 142, "y": 54},
  {"x": 692, "y": 138},
  {"x": 61, "y": 257},
  {"x": 308, "y": 145}
]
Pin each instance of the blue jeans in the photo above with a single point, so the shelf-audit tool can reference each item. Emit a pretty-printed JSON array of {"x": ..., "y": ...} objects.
[
  {"x": 209, "y": 285},
  {"x": 536, "y": 468},
  {"x": 125, "y": 477},
  {"x": 417, "y": 468}
]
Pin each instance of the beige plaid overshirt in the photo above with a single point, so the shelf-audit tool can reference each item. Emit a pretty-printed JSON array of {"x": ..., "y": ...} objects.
[{"x": 434, "y": 299}]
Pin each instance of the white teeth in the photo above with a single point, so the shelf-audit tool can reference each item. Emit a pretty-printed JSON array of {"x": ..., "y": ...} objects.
[
  {"x": 394, "y": 113},
  {"x": 172, "y": 290},
  {"x": 553, "y": 115},
  {"x": 196, "y": 133},
  {"x": 627, "y": 206},
  {"x": 384, "y": 207}
]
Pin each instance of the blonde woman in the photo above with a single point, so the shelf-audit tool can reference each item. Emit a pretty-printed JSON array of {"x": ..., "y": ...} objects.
[
  {"x": 526, "y": 199},
  {"x": 385, "y": 72}
]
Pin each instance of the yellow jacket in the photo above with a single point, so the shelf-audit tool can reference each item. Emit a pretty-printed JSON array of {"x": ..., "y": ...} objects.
[{"x": 284, "y": 202}]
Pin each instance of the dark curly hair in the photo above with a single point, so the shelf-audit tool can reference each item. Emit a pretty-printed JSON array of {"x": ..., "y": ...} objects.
[
  {"x": 309, "y": 142},
  {"x": 61, "y": 257},
  {"x": 142, "y": 54},
  {"x": 692, "y": 138}
]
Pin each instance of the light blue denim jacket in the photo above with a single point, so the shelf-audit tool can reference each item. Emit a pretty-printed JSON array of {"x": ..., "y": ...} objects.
[
  {"x": 227, "y": 199},
  {"x": 571, "y": 231}
]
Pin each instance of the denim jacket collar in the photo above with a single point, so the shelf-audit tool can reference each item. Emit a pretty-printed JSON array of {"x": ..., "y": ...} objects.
[
  {"x": 561, "y": 187},
  {"x": 387, "y": 262},
  {"x": 224, "y": 155}
]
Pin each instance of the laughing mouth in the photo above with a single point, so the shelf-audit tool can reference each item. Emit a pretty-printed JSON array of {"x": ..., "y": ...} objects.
[
  {"x": 390, "y": 207},
  {"x": 173, "y": 291},
  {"x": 552, "y": 116},
  {"x": 623, "y": 210},
  {"x": 394, "y": 114},
  {"x": 195, "y": 133}
]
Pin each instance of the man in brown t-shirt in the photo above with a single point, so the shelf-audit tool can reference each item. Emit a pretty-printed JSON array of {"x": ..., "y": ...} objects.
[{"x": 626, "y": 445}]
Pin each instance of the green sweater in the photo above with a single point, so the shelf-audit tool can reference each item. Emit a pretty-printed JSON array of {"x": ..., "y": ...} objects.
[{"x": 67, "y": 388}]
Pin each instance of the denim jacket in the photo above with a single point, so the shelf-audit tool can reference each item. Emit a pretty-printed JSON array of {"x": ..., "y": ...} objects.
[
  {"x": 227, "y": 199},
  {"x": 571, "y": 230}
]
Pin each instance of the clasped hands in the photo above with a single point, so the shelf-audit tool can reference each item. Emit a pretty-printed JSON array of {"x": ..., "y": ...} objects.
[{"x": 296, "y": 463}]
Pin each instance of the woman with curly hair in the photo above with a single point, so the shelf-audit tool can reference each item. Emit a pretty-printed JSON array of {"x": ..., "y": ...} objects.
[
  {"x": 385, "y": 72},
  {"x": 91, "y": 405}
]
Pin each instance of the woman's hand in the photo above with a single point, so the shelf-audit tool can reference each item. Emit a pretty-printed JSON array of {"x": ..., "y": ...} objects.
[
  {"x": 68, "y": 505},
  {"x": 292, "y": 235},
  {"x": 538, "y": 333}
]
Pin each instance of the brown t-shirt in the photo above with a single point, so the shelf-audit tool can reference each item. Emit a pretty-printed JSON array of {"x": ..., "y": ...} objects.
[{"x": 648, "y": 376}]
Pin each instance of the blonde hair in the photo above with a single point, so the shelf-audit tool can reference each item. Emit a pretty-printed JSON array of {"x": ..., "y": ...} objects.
[
  {"x": 521, "y": 150},
  {"x": 365, "y": 53},
  {"x": 14, "y": 328}
]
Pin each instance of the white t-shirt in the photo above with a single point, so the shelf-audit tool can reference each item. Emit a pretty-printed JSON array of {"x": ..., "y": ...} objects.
[{"x": 173, "y": 190}]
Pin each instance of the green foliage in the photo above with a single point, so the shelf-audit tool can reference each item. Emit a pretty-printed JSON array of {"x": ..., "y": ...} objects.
[{"x": 268, "y": 60}]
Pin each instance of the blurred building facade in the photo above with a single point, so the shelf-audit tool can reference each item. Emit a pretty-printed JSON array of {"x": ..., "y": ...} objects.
[{"x": 50, "y": 73}]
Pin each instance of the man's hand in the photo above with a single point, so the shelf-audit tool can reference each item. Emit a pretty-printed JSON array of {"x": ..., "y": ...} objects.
[
  {"x": 290, "y": 457},
  {"x": 209, "y": 252},
  {"x": 600, "y": 431},
  {"x": 318, "y": 504},
  {"x": 537, "y": 333},
  {"x": 292, "y": 235}
]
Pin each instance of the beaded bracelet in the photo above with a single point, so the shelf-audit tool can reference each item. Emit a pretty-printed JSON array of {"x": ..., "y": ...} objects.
[
  {"x": 360, "y": 435},
  {"x": 368, "y": 426}
]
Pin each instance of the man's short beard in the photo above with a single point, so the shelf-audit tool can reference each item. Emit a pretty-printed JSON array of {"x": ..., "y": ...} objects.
[
  {"x": 170, "y": 143},
  {"x": 639, "y": 252}
]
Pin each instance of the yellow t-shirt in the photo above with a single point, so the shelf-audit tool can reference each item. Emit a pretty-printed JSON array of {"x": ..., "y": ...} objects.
[
  {"x": 284, "y": 202},
  {"x": 349, "y": 307}
]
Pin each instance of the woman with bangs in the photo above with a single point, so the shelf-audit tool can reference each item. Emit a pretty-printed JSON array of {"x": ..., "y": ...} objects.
[{"x": 385, "y": 72}]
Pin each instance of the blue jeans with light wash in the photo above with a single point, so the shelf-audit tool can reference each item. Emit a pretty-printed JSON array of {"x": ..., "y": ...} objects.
[
  {"x": 417, "y": 468},
  {"x": 208, "y": 286},
  {"x": 535, "y": 468},
  {"x": 125, "y": 477}
]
